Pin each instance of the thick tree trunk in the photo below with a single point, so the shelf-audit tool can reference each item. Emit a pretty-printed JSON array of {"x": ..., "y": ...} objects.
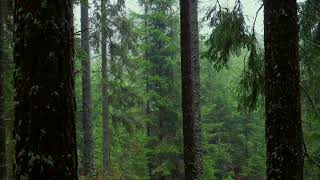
[
  {"x": 104, "y": 90},
  {"x": 88, "y": 148},
  {"x": 44, "y": 83},
  {"x": 283, "y": 115},
  {"x": 3, "y": 154},
  {"x": 190, "y": 68}
]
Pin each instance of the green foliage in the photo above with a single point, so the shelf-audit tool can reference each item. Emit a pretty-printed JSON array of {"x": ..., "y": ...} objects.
[
  {"x": 144, "y": 73},
  {"x": 251, "y": 86},
  {"x": 310, "y": 64},
  {"x": 229, "y": 35},
  {"x": 232, "y": 141},
  {"x": 161, "y": 73}
]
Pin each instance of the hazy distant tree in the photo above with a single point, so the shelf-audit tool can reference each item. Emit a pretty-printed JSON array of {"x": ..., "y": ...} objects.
[
  {"x": 283, "y": 115},
  {"x": 104, "y": 88},
  {"x": 88, "y": 148},
  {"x": 44, "y": 111},
  {"x": 161, "y": 34},
  {"x": 190, "y": 69}
]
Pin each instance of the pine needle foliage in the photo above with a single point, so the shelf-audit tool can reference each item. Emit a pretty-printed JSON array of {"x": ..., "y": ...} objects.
[
  {"x": 229, "y": 35},
  {"x": 251, "y": 86}
]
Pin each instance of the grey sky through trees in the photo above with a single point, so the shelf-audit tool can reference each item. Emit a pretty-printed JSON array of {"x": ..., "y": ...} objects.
[{"x": 250, "y": 8}]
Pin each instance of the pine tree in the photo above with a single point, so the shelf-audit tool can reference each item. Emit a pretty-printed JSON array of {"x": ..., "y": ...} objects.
[
  {"x": 44, "y": 125},
  {"x": 162, "y": 99},
  {"x": 88, "y": 148},
  {"x": 282, "y": 92},
  {"x": 190, "y": 68}
]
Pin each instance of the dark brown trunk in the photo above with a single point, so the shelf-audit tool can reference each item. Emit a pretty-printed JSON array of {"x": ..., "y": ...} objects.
[
  {"x": 283, "y": 115},
  {"x": 104, "y": 89},
  {"x": 3, "y": 153},
  {"x": 44, "y": 125},
  {"x": 190, "y": 70},
  {"x": 88, "y": 148}
]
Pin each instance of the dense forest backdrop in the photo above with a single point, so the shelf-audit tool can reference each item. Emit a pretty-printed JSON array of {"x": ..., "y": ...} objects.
[{"x": 143, "y": 76}]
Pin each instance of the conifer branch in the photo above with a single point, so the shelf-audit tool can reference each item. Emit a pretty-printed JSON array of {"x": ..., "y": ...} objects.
[{"x": 308, "y": 156}]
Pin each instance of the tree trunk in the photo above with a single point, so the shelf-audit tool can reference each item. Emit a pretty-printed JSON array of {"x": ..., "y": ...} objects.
[
  {"x": 190, "y": 68},
  {"x": 283, "y": 113},
  {"x": 88, "y": 149},
  {"x": 104, "y": 89},
  {"x": 147, "y": 108},
  {"x": 3, "y": 153},
  {"x": 44, "y": 125}
]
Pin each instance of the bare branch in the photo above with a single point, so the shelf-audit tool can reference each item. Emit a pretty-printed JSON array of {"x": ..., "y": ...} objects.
[{"x": 255, "y": 19}]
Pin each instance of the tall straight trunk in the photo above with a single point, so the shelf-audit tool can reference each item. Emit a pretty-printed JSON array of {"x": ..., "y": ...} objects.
[
  {"x": 88, "y": 148},
  {"x": 283, "y": 112},
  {"x": 44, "y": 109},
  {"x": 190, "y": 69},
  {"x": 3, "y": 153},
  {"x": 104, "y": 89},
  {"x": 147, "y": 110}
]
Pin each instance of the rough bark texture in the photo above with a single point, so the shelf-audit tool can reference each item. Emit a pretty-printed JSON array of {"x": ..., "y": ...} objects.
[
  {"x": 44, "y": 125},
  {"x": 190, "y": 69},
  {"x": 88, "y": 148},
  {"x": 283, "y": 114},
  {"x": 3, "y": 154},
  {"x": 104, "y": 89}
]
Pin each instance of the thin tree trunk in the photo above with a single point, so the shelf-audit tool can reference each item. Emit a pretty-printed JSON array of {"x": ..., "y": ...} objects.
[
  {"x": 44, "y": 125},
  {"x": 3, "y": 153},
  {"x": 88, "y": 149},
  {"x": 190, "y": 68},
  {"x": 283, "y": 112},
  {"x": 104, "y": 90},
  {"x": 147, "y": 110}
]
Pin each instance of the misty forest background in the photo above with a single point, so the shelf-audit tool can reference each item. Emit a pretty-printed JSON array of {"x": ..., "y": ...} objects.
[{"x": 128, "y": 96}]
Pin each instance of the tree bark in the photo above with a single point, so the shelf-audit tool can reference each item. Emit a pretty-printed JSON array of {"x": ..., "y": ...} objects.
[
  {"x": 190, "y": 68},
  {"x": 44, "y": 127},
  {"x": 3, "y": 152},
  {"x": 104, "y": 89},
  {"x": 283, "y": 112},
  {"x": 88, "y": 149}
]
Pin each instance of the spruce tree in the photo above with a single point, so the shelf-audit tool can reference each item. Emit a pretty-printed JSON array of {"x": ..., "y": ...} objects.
[{"x": 162, "y": 99}]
